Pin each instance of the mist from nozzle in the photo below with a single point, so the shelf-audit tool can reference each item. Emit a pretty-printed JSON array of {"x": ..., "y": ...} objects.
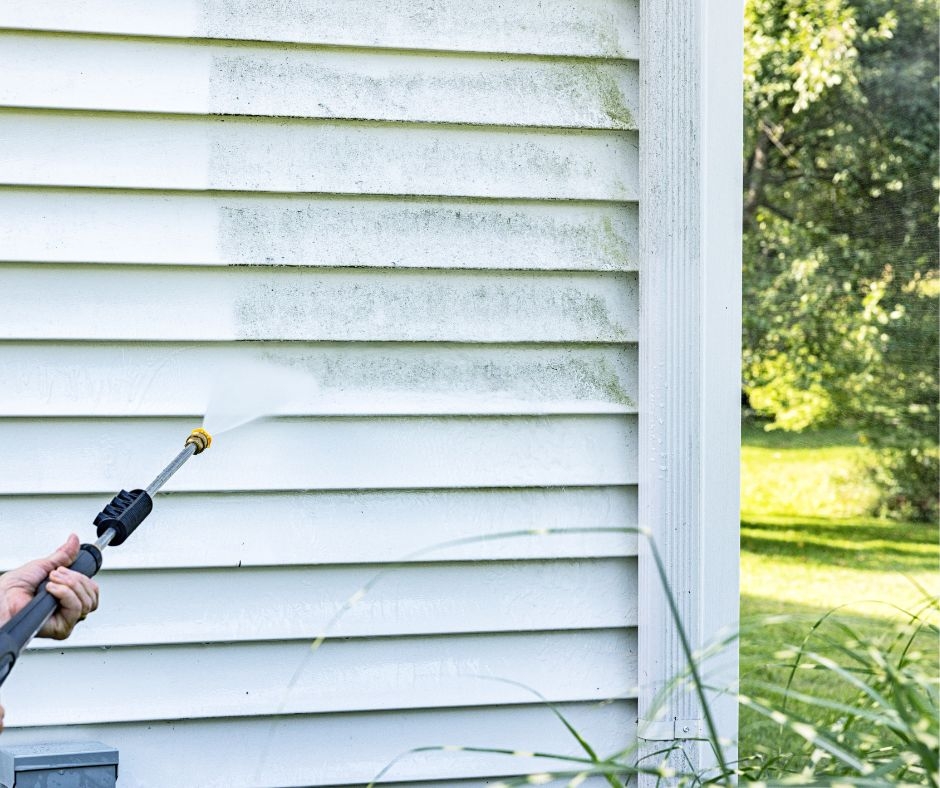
[{"x": 243, "y": 392}]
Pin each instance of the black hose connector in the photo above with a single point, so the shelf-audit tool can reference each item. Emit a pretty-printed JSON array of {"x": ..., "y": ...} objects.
[
  {"x": 126, "y": 511},
  {"x": 19, "y": 630}
]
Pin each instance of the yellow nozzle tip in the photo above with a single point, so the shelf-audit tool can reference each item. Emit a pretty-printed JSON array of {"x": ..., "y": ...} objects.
[{"x": 201, "y": 439}]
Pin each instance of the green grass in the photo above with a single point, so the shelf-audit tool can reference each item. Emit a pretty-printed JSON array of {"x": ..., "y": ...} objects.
[
  {"x": 818, "y": 473},
  {"x": 806, "y": 548}
]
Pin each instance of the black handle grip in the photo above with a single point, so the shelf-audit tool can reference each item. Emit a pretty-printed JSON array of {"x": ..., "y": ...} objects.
[
  {"x": 126, "y": 511},
  {"x": 19, "y": 630}
]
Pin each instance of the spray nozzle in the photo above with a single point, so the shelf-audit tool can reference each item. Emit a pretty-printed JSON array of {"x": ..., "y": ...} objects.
[{"x": 199, "y": 438}]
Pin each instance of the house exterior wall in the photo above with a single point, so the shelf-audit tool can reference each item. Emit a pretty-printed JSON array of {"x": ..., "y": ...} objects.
[
  {"x": 520, "y": 318},
  {"x": 434, "y": 211}
]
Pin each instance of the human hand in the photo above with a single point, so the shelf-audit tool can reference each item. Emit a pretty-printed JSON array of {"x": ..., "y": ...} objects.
[{"x": 77, "y": 595}]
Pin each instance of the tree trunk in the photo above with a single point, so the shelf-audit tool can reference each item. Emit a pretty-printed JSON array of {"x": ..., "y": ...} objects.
[{"x": 756, "y": 172}]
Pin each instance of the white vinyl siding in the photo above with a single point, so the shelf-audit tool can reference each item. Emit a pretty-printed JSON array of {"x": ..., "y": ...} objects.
[
  {"x": 433, "y": 210},
  {"x": 120, "y": 226},
  {"x": 583, "y": 28}
]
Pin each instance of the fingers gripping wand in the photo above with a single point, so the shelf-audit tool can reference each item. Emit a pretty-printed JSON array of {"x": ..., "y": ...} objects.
[{"x": 116, "y": 522}]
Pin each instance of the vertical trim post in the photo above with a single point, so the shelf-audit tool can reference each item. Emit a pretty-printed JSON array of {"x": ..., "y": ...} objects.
[{"x": 690, "y": 226}]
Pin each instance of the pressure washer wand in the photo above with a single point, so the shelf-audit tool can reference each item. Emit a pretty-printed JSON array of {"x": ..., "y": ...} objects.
[{"x": 117, "y": 521}]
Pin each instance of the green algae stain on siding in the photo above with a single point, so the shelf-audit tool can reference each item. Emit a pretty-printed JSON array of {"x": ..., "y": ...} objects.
[
  {"x": 416, "y": 306},
  {"x": 433, "y": 233},
  {"x": 610, "y": 90},
  {"x": 613, "y": 98},
  {"x": 619, "y": 243}
]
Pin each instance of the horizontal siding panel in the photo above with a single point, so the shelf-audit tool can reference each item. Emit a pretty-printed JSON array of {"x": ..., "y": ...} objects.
[
  {"x": 347, "y": 749},
  {"x": 141, "y": 303},
  {"x": 59, "y": 72},
  {"x": 290, "y": 603},
  {"x": 254, "y": 154},
  {"x": 69, "y": 456},
  {"x": 562, "y": 782},
  {"x": 336, "y": 527},
  {"x": 77, "y": 456},
  {"x": 343, "y": 379},
  {"x": 129, "y": 684},
  {"x": 57, "y": 225},
  {"x": 599, "y": 28}
]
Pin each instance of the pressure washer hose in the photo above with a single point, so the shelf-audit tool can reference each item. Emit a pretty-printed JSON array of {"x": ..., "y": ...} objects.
[{"x": 117, "y": 521}]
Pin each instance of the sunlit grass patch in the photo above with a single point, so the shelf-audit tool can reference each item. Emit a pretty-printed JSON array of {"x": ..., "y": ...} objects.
[
  {"x": 819, "y": 563},
  {"x": 820, "y": 474},
  {"x": 802, "y": 556}
]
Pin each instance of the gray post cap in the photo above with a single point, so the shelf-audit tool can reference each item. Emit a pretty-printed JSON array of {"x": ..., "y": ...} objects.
[{"x": 55, "y": 755}]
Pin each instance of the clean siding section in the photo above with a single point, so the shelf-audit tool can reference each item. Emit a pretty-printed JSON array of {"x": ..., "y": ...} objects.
[
  {"x": 352, "y": 748},
  {"x": 433, "y": 212},
  {"x": 330, "y": 528},
  {"x": 374, "y": 674},
  {"x": 324, "y": 454},
  {"x": 285, "y": 603}
]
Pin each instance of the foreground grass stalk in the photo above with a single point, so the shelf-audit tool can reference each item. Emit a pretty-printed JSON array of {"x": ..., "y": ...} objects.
[
  {"x": 713, "y": 737},
  {"x": 879, "y": 689}
]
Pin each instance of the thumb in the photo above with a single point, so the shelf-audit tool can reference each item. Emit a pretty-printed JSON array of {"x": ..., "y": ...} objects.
[{"x": 65, "y": 554}]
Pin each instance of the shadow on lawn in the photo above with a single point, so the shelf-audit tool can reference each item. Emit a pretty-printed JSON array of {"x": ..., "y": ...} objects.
[
  {"x": 858, "y": 543},
  {"x": 756, "y": 436}
]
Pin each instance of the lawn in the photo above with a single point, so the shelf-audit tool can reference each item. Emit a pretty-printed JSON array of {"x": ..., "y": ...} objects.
[{"x": 808, "y": 547}]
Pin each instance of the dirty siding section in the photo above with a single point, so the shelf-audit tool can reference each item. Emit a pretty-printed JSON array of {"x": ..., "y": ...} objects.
[{"x": 429, "y": 207}]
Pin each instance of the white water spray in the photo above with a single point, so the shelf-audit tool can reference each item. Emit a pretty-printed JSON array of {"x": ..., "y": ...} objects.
[{"x": 250, "y": 390}]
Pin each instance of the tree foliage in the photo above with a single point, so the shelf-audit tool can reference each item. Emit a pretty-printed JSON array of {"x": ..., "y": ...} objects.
[{"x": 840, "y": 228}]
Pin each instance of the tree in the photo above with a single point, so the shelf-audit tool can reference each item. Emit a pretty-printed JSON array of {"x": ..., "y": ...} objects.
[{"x": 840, "y": 228}]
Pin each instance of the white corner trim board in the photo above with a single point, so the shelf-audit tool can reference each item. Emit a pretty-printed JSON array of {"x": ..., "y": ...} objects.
[{"x": 689, "y": 340}]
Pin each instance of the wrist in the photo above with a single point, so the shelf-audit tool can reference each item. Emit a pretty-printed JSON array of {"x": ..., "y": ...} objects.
[{"x": 5, "y": 608}]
